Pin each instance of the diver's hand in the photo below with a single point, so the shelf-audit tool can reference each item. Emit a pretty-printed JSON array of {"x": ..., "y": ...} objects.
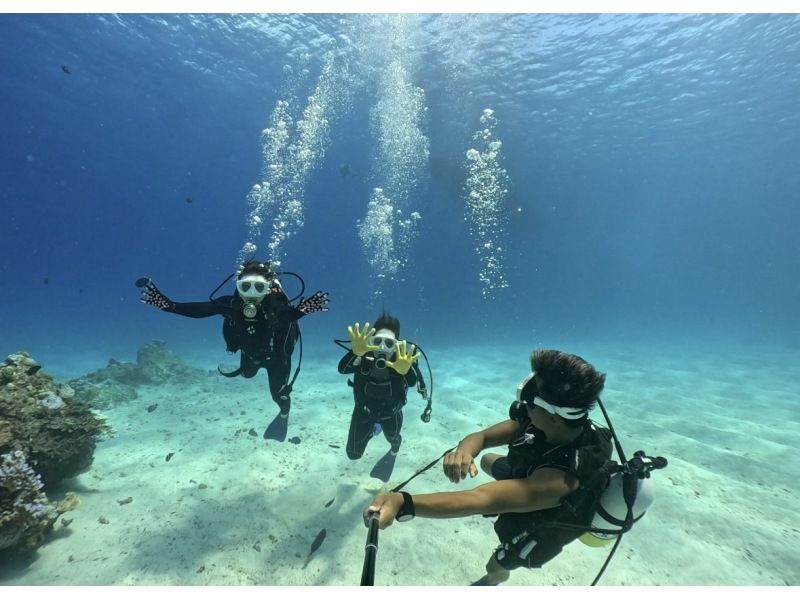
[
  {"x": 152, "y": 296},
  {"x": 457, "y": 464},
  {"x": 360, "y": 339},
  {"x": 404, "y": 359},
  {"x": 317, "y": 302},
  {"x": 387, "y": 504}
]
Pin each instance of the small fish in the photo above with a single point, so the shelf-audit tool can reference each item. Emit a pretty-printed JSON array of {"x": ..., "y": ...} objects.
[
  {"x": 168, "y": 457},
  {"x": 188, "y": 200},
  {"x": 46, "y": 280},
  {"x": 65, "y": 68},
  {"x": 295, "y": 440},
  {"x": 330, "y": 502},
  {"x": 125, "y": 501},
  {"x": 152, "y": 408},
  {"x": 252, "y": 432},
  {"x": 334, "y": 446},
  {"x": 315, "y": 545},
  {"x": 344, "y": 169}
]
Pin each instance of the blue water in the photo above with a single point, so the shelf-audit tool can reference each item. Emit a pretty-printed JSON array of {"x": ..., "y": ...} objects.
[{"x": 653, "y": 166}]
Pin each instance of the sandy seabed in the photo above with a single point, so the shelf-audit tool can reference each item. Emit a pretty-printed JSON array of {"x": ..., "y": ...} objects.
[{"x": 229, "y": 508}]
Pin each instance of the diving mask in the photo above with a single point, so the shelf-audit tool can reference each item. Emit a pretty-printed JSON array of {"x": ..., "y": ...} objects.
[
  {"x": 528, "y": 393},
  {"x": 385, "y": 344},
  {"x": 252, "y": 287}
]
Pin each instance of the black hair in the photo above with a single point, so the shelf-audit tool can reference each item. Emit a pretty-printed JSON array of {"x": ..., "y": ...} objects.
[
  {"x": 256, "y": 267},
  {"x": 389, "y": 322},
  {"x": 567, "y": 380}
]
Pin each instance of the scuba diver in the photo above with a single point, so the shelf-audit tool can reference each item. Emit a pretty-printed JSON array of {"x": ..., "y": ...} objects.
[
  {"x": 260, "y": 321},
  {"x": 383, "y": 369},
  {"x": 557, "y": 482}
]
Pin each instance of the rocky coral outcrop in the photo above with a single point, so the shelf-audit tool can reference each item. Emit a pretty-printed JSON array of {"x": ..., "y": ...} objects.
[
  {"x": 117, "y": 382},
  {"x": 45, "y": 436},
  {"x": 41, "y": 418},
  {"x": 26, "y": 514}
]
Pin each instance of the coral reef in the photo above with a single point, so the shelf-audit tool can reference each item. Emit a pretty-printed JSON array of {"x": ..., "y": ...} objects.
[
  {"x": 41, "y": 418},
  {"x": 45, "y": 436},
  {"x": 116, "y": 383},
  {"x": 25, "y": 512}
]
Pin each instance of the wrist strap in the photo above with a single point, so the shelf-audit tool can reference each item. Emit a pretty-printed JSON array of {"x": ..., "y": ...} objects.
[{"x": 407, "y": 508}]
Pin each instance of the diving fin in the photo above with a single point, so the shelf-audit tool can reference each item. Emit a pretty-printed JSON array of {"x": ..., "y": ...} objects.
[
  {"x": 483, "y": 581},
  {"x": 384, "y": 467},
  {"x": 277, "y": 428}
]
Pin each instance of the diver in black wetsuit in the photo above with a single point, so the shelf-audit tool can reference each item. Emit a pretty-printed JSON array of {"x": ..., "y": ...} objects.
[
  {"x": 380, "y": 386},
  {"x": 260, "y": 322}
]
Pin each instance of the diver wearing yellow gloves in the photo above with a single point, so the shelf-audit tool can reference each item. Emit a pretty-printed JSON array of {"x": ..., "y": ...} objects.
[{"x": 383, "y": 369}]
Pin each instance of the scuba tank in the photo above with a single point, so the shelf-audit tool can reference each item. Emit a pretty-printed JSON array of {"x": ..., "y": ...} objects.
[{"x": 612, "y": 511}]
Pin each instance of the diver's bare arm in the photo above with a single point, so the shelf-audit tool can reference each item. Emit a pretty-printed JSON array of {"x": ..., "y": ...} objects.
[
  {"x": 543, "y": 489},
  {"x": 496, "y": 435}
]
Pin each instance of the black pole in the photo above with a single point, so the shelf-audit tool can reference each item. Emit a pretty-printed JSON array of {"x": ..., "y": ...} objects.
[{"x": 370, "y": 552}]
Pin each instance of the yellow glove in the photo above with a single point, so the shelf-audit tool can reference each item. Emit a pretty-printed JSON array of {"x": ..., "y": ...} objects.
[
  {"x": 360, "y": 339},
  {"x": 404, "y": 360}
]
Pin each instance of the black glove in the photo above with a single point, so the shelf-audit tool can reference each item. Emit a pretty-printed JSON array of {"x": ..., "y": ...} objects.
[
  {"x": 152, "y": 296},
  {"x": 317, "y": 302}
]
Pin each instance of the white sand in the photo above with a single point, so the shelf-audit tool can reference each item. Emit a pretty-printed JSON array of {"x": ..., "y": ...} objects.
[{"x": 231, "y": 508}]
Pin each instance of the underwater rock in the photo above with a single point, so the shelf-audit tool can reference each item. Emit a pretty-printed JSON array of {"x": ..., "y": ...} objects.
[
  {"x": 159, "y": 364},
  {"x": 102, "y": 395},
  {"x": 117, "y": 382}
]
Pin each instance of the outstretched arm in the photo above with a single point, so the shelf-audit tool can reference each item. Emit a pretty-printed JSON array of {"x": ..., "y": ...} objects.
[
  {"x": 543, "y": 489},
  {"x": 150, "y": 295}
]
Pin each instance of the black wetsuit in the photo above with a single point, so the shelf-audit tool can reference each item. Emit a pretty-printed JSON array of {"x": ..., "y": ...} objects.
[
  {"x": 380, "y": 394},
  {"x": 266, "y": 340},
  {"x": 584, "y": 458}
]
